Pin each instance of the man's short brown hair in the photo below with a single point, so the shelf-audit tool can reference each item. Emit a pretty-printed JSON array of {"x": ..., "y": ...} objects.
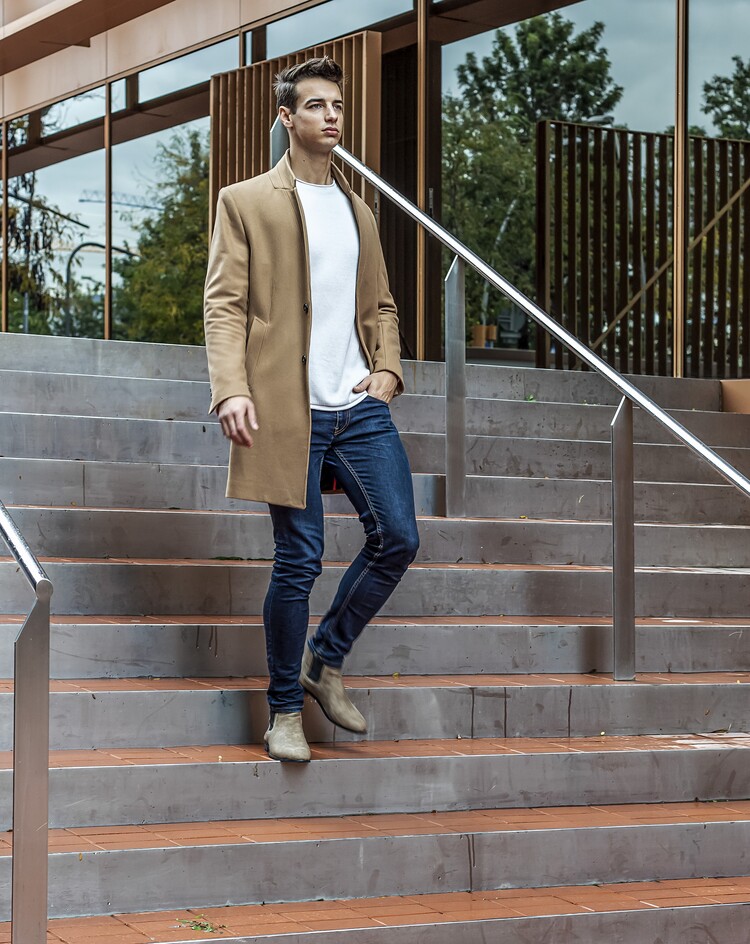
[{"x": 285, "y": 84}]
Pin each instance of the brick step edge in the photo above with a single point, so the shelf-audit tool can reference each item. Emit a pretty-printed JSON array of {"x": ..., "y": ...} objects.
[
  {"x": 678, "y": 904},
  {"x": 319, "y": 829}
]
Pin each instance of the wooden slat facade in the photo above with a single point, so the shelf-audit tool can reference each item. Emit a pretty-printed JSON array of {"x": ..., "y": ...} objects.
[
  {"x": 605, "y": 253},
  {"x": 243, "y": 108}
]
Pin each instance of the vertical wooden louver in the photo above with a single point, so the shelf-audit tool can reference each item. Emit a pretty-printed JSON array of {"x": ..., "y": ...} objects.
[
  {"x": 243, "y": 108},
  {"x": 605, "y": 248}
]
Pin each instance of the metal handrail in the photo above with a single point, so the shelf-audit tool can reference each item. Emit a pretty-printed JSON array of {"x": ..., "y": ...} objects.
[
  {"x": 541, "y": 317},
  {"x": 623, "y": 529},
  {"x": 30, "y": 749}
]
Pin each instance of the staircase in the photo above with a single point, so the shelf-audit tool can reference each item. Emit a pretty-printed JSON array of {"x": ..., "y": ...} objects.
[{"x": 508, "y": 790}]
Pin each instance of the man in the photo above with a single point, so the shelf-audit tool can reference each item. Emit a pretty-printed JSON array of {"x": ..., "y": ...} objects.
[{"x": 303, "y": 354}]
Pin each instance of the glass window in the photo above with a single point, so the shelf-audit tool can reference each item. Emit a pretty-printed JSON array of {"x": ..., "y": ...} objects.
[
  {"x": 160, "y": 160},
  {"x": 77, "y": 110},
  {"x": 717, "y": 333},
  {"x": 193, "y": 69},
  {"x": 18, "y": 131},
  {"x": 57, "y": 207},
  {"x": 118, "y": 95},
  {"x": 719, "y": 77},
  {"x": 642, "y": 30},
  {"x": 56, "y": 233},
  {"x": 159, "y": 234},
  {"x": 327, "y": 21},
  {"x": 580, "y": 66}
]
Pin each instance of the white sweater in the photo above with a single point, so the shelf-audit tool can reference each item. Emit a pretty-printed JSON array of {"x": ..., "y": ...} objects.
[{"x": 336, "y": 362}]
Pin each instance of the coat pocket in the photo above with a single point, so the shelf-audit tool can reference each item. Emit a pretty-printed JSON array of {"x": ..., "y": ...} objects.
[{"x": 255, "y": 340}]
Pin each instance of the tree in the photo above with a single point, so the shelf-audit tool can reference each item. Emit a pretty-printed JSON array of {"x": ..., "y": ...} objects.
[
  {"x": 488, "y": 195},
  {"x": 44, "y": 294},
  {"x": 34, "y": 227},
  {"x": 159, "y": 295},
  {"x": 543, "y": 69},
  {"x": 82, "y": 313},
  {"x": 726, "y": 99}
]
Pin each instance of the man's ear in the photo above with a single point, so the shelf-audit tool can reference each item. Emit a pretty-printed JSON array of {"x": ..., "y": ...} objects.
[{"x": 285, "y": 115}]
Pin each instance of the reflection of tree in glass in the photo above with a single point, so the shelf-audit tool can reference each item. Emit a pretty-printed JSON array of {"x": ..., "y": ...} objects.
[
  {"x": 35, "y": 227},
  {"x": 542, "y": 69},
  {"x": 726, "y": 99},
  {"x": 86, "y": 300},
  {"x": 159, "y": 294}
]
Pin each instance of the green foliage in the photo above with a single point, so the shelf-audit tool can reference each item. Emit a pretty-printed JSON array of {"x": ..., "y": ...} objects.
[
  {"x": 488, "y": 198},
  {"x": 86, "y": 310},
  {"x": 726, "y": 99},
  {"x": 159, "y": 293},
  {"x": 542, "y": 69},
  {"x": 200, "y": 923},
  {"x": 37, "y": 229},
  {"x": 34, "y": 227}
]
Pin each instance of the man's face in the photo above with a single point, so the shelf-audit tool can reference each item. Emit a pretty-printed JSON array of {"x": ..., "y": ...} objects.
[{"x": 318, "y": 120}]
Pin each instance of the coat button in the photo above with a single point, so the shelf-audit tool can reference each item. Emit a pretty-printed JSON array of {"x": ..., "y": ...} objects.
[
  {"x": 306, "y": 308},
  {"x": 304, "y": 358}
]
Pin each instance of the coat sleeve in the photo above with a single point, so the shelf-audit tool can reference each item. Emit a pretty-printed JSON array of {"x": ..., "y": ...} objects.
[
  {"x": 225, "y": 303},
  {"x": 387, "y": 355}
]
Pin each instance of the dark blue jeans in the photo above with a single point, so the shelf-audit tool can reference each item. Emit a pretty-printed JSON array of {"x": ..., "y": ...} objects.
[{"x": 362, "y": 446}]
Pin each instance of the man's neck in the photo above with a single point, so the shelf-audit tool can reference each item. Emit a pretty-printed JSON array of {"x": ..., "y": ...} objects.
[{"x": 310, "y": 168}]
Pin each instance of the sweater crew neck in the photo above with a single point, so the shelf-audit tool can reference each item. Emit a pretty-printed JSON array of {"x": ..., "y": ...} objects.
[{"x": 306, "y": 183}]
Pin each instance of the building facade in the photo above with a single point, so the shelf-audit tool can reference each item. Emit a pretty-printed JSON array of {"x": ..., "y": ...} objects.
[{"x": 596, "y": 153}]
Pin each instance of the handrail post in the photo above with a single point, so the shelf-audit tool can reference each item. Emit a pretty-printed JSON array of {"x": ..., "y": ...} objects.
[
  {"x": 455, "y": 390},
  {"x": 623, "y": 543},
  {"x": 31, "y": 775},
  {"x": 28, "y": 922}
]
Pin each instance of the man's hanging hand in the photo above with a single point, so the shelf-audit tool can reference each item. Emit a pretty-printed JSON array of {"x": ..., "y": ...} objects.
[{"x": 237, "y": 418}]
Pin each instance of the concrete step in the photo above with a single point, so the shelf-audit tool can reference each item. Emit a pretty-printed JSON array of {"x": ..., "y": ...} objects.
[
  {"x": 31, "y": 392},
  {"x": 121, "y": 440},
  {"x": 91, "y": 484},
  {"x": 591, "y": 500},
  {"x": 130, "y": 786},
  {"x": 42, "y": 353},
  {"x": 570, "y": 459},
  {"x": 125, "y": 648},
  {"x": 545, "y": 420},
  {"x": 52, "y": 436},
  {"x": 94, "y": 484},
  {"x": 150, "y": 398},
  {"x": 111, "y": 870},
  {"x": 122, "y": 713},
  {"x": 184, "y": 362},
  {"x": 237, "y": 588},
  {"x": 107, "y": 533},
  {"x": 561, "y": 386},
  {"x": 512, "y": 418},
  {"x": 673, "y": 911}
]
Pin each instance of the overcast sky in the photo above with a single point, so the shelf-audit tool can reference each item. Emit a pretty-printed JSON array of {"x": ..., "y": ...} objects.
[{"x": 639, "y": 36}]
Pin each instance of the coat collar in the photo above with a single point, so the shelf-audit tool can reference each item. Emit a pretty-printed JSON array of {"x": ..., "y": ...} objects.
[{"x": 282, "y": 176}]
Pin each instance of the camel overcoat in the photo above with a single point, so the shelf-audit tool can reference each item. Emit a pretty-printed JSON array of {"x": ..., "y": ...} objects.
[{"x": 258, "y": 315}]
